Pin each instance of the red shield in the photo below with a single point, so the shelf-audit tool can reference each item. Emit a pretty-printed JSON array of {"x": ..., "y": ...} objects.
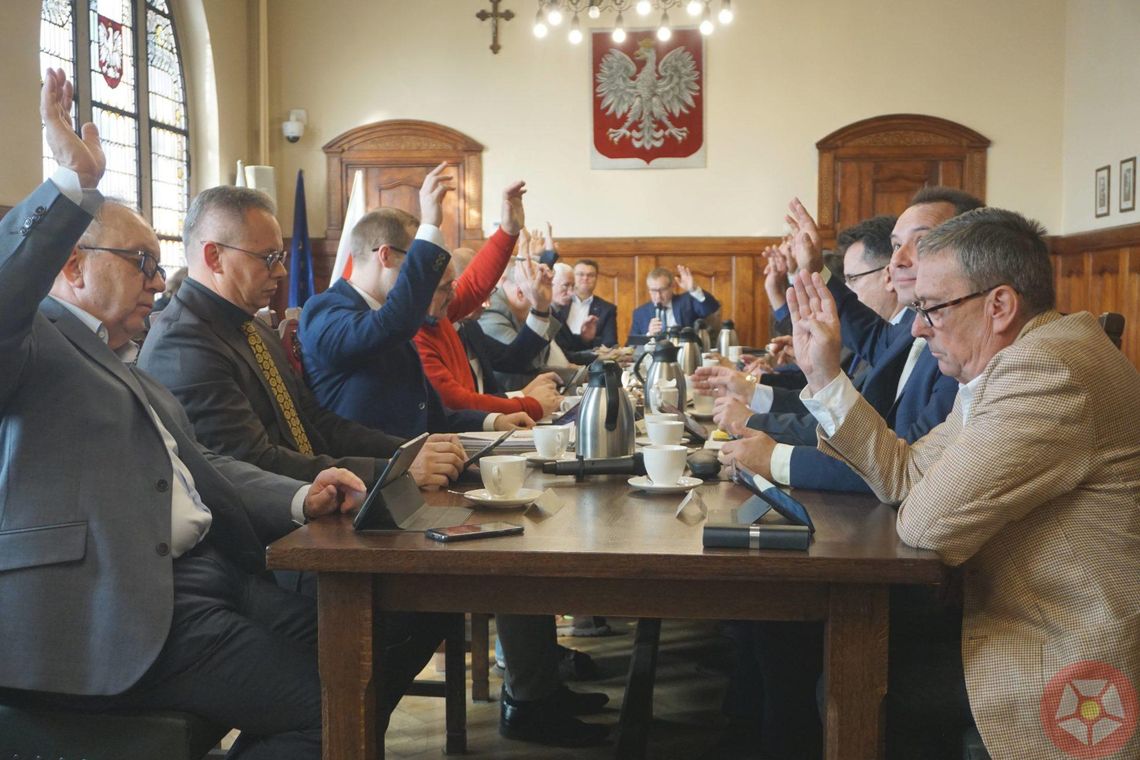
[
  {"x": 1089, "y": 710},
  {"x": 648, "y": 96},
  {"x": 110, "y": 51}
]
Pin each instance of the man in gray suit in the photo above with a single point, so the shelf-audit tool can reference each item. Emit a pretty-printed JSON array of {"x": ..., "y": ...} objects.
[{"x": 131, "y": 557}]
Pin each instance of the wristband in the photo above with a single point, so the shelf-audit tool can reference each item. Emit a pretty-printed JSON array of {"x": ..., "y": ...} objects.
[{"x": 541, "y": 314}]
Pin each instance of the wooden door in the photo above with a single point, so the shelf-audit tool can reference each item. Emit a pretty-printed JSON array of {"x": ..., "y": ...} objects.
[
  {"x": 876, "y": 165},
  {"x": 399, "y": 187}
]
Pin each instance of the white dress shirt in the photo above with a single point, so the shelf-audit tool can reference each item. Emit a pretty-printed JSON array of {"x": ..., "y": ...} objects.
[{"x": 579, "y": 311}]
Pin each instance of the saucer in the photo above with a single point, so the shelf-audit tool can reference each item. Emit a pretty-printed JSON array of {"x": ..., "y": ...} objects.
[
  {"x": 532, "y": 457},
  {"x": 701, "y": 416},
  {"x": 642, "y": 482},
  {"x": 485, "y": 498}
]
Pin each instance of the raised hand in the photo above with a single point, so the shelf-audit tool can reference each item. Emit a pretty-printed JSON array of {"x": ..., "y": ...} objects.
[
  {"x": 781, "y": 350},
  {"x": 84, "y": 156},
  {"x": 536, "y": 284},
  {"x": 334, "y": 490},
  {"x": 815, "y": 330},
  {"x": 685, "y": 278},
  {"x": 589, "y": 329},
  {"x": 806, "y": 241},
  {"x": 435, "y": 186},
  {"x": 722, "y": 381},
  {"x": 548, "y": 238},
  {"x": 514, "y": 216},
  {"x": 775, "y": 277}
]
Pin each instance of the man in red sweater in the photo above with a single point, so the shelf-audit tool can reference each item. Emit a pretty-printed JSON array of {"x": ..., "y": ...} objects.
[{"x": 441, "y": 349}]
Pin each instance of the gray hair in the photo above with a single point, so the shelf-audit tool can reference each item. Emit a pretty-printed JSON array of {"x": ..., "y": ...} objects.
[
  {"x": 232, "y": 202},
  {"x": 93, "y": 234},
  {"x": 384, "y": 226},
  {"x": 996, "y": 247}
]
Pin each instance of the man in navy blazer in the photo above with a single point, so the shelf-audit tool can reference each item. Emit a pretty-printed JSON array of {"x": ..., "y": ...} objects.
[
  {"x": 666, "y": 308},
  {"x": 587, "y": 316},
  {"x": 356, "y": 337},
  {"x": 918, "y": 400}
]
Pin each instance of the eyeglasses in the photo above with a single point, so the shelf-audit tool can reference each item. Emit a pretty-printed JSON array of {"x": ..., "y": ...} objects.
[
  {"x": 146, "y": 261},
  {"x": 850, "y": 278},
  {"x": 925, "y": 312},
  {"x": 270, "y": 258},
  {"x": 392, "y": 247}
]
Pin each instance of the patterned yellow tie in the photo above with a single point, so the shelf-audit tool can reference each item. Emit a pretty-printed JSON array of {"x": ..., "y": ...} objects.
[{"x": 273, "y": 377}]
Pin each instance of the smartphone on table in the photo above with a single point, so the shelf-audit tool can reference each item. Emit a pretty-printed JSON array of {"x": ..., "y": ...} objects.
[{"x": 470, "y": 532}]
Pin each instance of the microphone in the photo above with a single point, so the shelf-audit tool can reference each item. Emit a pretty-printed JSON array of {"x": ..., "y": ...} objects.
[{"x": 580, "y": 468}]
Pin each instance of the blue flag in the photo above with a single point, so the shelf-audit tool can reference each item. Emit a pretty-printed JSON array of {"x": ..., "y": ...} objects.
[{"x": 301, "y": 251}]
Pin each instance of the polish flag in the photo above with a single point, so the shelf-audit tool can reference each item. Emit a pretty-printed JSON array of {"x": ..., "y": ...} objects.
[{"x": 342, "y": 267}]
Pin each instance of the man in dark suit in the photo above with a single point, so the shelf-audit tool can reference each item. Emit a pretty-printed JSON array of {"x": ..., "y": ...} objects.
[
  {"x": 577, "y": 346},
  {"x": 134, "y": 573},
  {"x": 229, "y": 369},
  {"x": 587, "y": 305},
  {"x": 666, "y": 308}
]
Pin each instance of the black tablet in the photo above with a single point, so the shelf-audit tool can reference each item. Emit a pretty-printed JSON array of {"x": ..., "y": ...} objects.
[
  {"x": 485, "y": 451},
  {"x": 399, "y": 463},
  {"x": 785, "y": 505}
]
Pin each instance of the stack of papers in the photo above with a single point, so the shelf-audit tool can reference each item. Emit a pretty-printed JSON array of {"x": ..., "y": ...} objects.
[{"x": 520, "y": 442}]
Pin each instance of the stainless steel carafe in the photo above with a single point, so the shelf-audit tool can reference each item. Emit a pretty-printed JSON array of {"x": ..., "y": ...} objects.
[
  {"x": 727, "y": 337},
  {"x": 663, "y": 368},
  {"x": 605, "y": 418},
  {"x": 689, "y": 351},
  {"x": 703, "y": 335}
]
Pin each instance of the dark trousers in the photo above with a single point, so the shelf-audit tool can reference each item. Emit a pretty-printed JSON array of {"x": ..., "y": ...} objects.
[{"x": 241, "y": 652}]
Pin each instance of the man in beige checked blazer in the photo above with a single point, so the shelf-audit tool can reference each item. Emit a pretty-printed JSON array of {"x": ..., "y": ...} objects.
[{"x": 1032, "y": 484}]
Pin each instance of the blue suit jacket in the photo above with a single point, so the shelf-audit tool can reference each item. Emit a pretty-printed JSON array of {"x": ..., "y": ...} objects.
[
  {"x": 924, "y": 403},
  {"x": 686, "y": 310},
  {"x": 361, "y": 363}
]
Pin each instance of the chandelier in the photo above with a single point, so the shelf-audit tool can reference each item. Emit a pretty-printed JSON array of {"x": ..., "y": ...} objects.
[{"x": 551, "y": 14}]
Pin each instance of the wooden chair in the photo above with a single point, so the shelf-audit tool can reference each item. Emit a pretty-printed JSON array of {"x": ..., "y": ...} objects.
[{"x": 1113, "y": 324}]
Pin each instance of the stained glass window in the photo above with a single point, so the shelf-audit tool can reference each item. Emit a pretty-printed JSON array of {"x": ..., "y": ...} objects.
[{"x": 140, "y": 109}]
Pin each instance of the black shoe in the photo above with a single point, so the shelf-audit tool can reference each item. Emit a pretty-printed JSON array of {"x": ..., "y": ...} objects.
[
  {"x": 578, "y": 703},
  {"x": 575, "y": 666},
  {"x": 546, "y": 722}
]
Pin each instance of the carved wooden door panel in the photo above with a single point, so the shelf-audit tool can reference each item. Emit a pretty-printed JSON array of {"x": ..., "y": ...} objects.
[
  {"x": 874, "y": 166},
  {"x": 399, "y": 187}
]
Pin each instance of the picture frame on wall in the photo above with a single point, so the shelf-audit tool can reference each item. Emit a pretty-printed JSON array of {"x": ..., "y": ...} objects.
[
  {"x": 1103, "y": 190},
  {"x": 1128, "y": 184}
]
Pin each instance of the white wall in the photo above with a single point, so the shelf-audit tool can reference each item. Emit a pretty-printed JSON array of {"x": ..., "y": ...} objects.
[
  {"x": 783, "y": 76},
  {"x": 21, "y": 166},
  {"x": 1102, "y": 105}
]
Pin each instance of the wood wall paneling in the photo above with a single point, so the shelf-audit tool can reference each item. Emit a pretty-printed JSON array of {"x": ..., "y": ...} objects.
[{"x": 1100, "y": 271}]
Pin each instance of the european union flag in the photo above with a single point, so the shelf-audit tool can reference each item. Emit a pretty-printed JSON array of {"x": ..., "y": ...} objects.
[{"x": 301, "y": 251}]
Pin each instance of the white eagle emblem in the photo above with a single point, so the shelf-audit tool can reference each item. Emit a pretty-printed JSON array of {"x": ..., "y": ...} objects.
[{"x": 650, "y": 98}]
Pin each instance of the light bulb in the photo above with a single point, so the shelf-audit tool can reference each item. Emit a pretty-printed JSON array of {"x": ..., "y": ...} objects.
[
  {"x": 644, "y": 7},
  {"x": 725, "y": 16},
  {"x": 594, "y": 12},
  {"x": 663, "y": 31},
  {"x": 554, "y": 15},
  {"x": 575, "y": 35},
  {"x": 695, "y": 7},
  {"x": 706, "y": 22},
  {"x": 618, "y": 35}
]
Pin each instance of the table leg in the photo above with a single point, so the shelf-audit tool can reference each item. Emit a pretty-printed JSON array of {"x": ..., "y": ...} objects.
[
  {"x": 347, "y": 656},
  {"x": 455, "y": 666},
  {"x": 637, "y": 707},
  {"x": 855, "y": 671}
]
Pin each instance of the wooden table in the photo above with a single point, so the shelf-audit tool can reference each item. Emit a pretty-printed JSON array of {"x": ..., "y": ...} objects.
[{"x": 615, "y": 552}]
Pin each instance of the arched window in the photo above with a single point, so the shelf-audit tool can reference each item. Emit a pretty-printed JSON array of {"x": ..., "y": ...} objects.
[{"x": 140, "y": 110}]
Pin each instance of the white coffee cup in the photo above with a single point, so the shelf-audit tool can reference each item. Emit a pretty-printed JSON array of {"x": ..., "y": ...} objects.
[
  {"x": 734, "y": 353},
  {"x": 659, "y": 396},
  {"x": 711, "y": 359},
  {"x": 665, "y": 464},
  {"x": 664, "y": 432},
  {"x": 569, "y": 402},
  {"x": 503, "y": 475},
  {"x": 550, "y": 440},
  {"x": 703, "y": 404}
]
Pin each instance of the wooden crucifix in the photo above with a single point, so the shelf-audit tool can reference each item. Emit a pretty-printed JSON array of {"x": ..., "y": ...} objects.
[{"x": 494, "y": 14}]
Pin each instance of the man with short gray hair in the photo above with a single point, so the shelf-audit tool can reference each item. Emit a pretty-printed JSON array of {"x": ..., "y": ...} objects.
[{"x": 1032, "y": 484}]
